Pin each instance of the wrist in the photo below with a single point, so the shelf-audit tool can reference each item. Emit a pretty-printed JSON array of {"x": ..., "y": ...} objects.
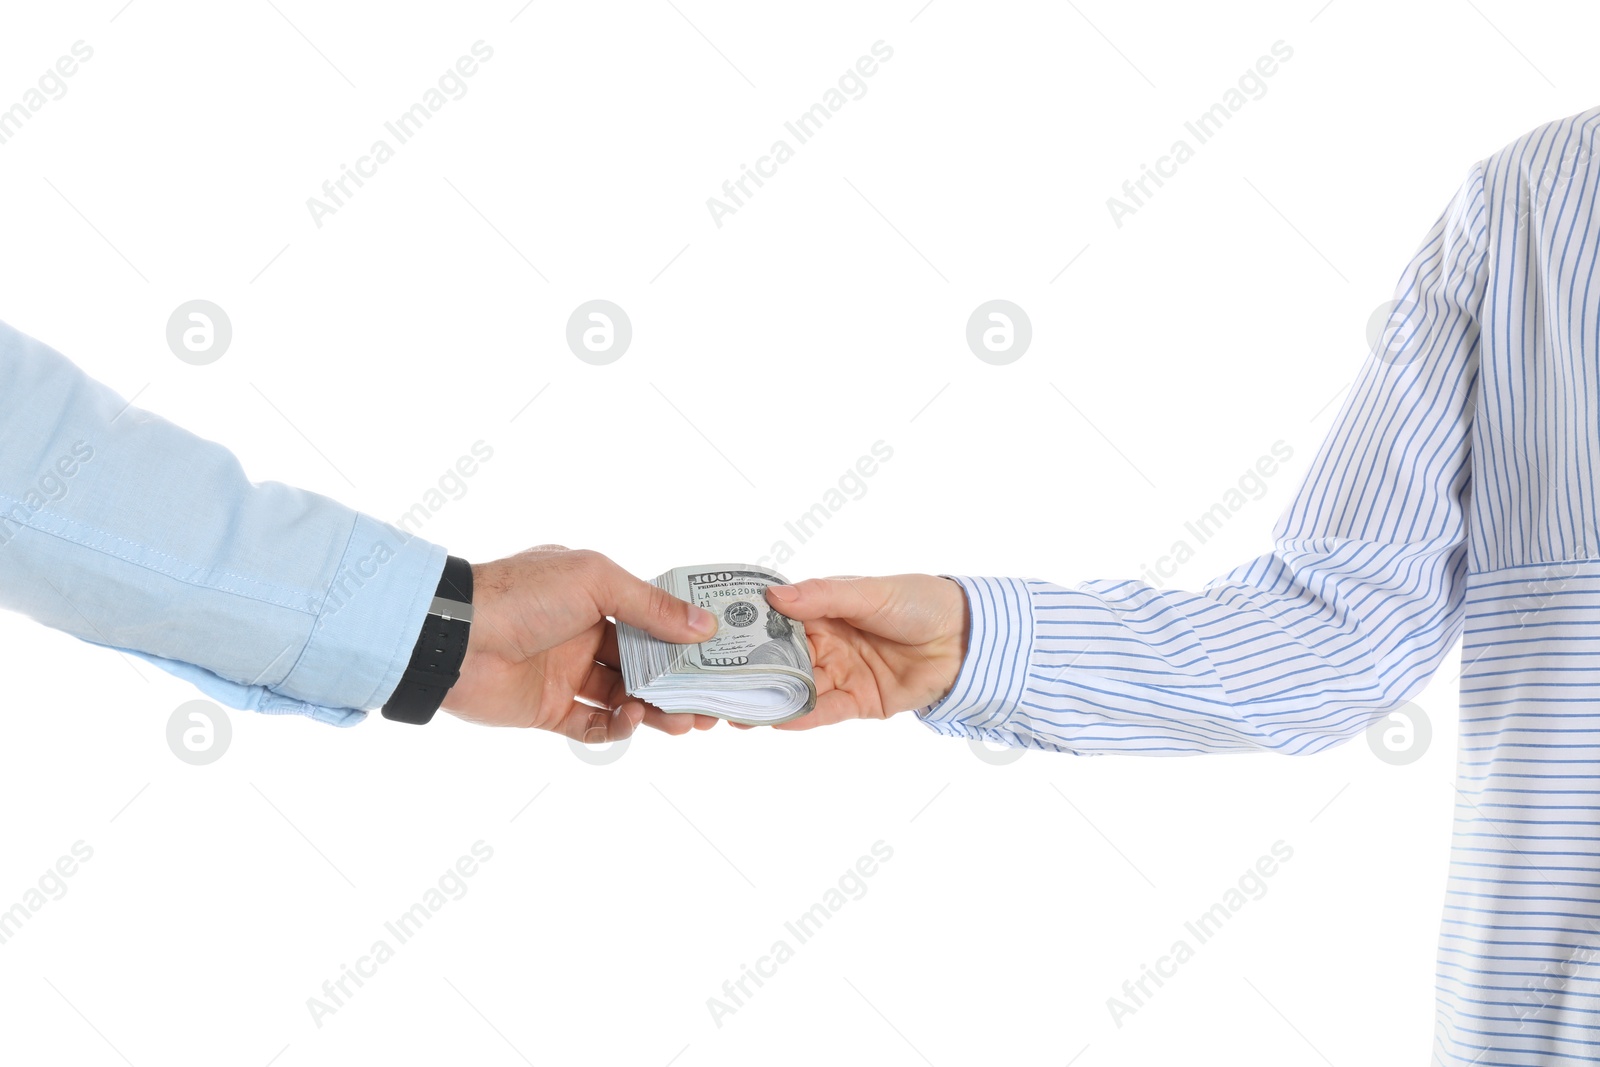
[
  {"x": 483, "y": 639},
  {"x": 961, "y": 635},
  {"x": 996, "y": 655}
]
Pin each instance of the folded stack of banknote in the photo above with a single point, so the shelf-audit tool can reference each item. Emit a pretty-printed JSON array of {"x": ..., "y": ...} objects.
[{"x": 755, "y": 670}]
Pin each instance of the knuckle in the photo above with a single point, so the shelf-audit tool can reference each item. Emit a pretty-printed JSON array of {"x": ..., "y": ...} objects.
[
  {"x": 596, "y": 567},
  {"x": 813, "y": 591},
  {"x": 660, "y": 604},
  {"x": 597, "y": 729}
]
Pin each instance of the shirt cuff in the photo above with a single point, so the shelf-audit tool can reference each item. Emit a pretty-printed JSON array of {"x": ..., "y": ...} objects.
[
  {"x": 367, "y": 624},
  {"x": 994, "y": 672},
  {"x": 367, "y": 621},
  {"x": 242, "y": 697}
]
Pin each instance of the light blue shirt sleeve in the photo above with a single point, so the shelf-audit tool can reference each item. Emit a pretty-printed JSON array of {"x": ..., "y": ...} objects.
[
  {"x": 1360, "y": 599},
  {"x": 127, "y": 531}
]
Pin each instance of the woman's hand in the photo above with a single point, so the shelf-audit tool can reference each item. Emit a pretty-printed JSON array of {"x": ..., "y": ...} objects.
[{"x": 878, "y": 645}]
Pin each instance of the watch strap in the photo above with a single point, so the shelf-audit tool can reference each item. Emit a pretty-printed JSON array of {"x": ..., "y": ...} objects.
[{"x": 440, "y": 649}]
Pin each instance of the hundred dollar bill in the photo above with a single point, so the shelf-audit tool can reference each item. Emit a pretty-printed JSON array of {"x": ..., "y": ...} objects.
[{"x": 756, "y": 669}]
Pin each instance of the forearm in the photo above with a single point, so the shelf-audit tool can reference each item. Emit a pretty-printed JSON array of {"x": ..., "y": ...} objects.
[
  {"x": 1302, "y": 647},
  {"x": 1285, "y": 654},
  {"x": 148, "y": 538}
]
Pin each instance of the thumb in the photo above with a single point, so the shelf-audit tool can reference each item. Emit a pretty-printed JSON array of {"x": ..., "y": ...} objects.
[
  {"x": 856, "y": 600},
  {"x": 658, "y": 613}
]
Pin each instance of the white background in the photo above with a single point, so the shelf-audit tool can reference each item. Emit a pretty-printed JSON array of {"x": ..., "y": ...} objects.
[{"x": 827, "y": 314}]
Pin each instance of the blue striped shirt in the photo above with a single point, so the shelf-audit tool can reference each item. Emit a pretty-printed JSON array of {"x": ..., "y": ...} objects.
[{"x": 1458, "y": 489}]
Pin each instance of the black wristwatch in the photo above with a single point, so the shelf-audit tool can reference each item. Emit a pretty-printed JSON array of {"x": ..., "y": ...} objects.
[{"x": 436, "y": 660}]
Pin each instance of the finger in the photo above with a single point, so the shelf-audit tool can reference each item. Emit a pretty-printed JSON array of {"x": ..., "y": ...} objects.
[
  {"x": 638, "y": 603},
  {"x": 676, "y": 723},
  {"x": 608, "y": 653},
  {"x": 834, "y": 706},
  {"x": 853, "y": 599},
  {"x": 596, "y": 726},
  {"x": 604, "y": 687}
]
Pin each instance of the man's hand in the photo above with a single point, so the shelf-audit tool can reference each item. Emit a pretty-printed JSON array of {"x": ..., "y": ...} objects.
[
  {"x": 541, "y": 652},
  {"x": 878, "y": 645}
]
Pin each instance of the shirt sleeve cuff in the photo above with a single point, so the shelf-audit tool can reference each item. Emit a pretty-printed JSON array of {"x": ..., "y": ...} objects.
[
  {"x": 994, "y": 673},
  {"x": 360, "y": 644},
  {"x": 242, "y": 697},
  {"x": 368, "y": 620}
]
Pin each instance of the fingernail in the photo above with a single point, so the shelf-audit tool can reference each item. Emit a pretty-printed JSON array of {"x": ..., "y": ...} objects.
[
  {"x": 701, "y": 619},
  {"x": 783, "y": 592}
]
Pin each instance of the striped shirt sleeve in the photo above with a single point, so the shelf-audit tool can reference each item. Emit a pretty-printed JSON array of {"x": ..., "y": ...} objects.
[{"x": 1346, "y": 617}]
